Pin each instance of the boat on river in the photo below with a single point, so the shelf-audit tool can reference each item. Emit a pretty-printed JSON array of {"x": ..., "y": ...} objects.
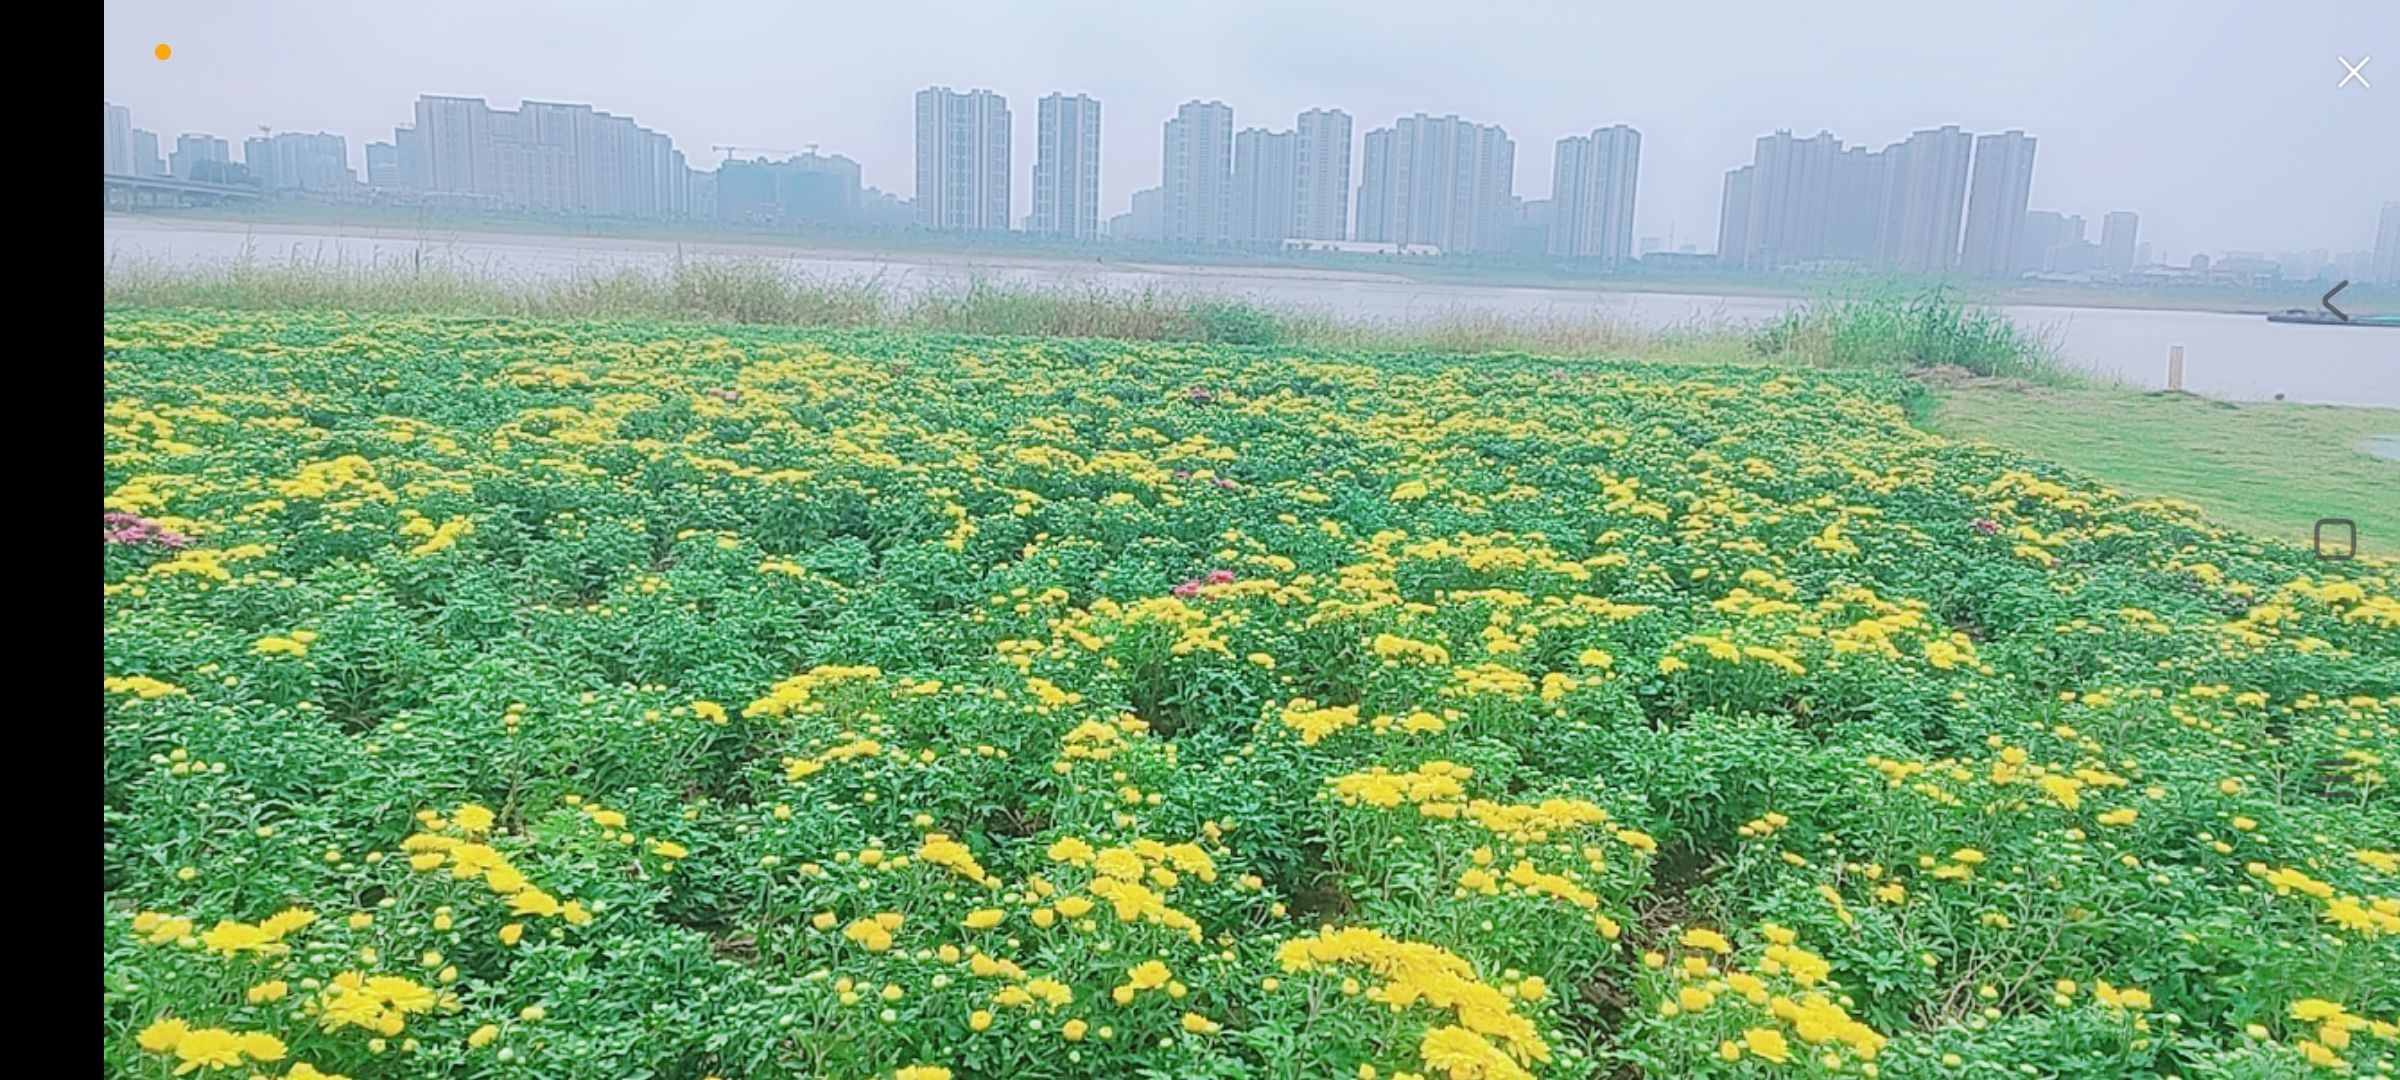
[{"x": 2321, "y": 318}]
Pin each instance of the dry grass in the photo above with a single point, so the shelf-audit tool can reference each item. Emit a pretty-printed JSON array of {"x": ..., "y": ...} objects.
[
  {"x": 739, "y": 291},
  {"x": 1887, "y": 331}
]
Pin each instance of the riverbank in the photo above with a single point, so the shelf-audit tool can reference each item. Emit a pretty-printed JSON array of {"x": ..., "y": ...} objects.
[
  {"x": 2237, "y": 357},
  {"x": 1021, "y": 251}
]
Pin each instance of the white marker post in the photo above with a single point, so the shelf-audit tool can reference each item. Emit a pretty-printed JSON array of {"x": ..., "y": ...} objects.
[{"x": 2174, "y": 367}]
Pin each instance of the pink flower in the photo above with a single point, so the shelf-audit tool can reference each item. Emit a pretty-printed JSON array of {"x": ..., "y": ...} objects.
[
  {"x": 123, "y": 528},
  {"x": 1188, "y": 588},
  {"x": 1224, "y": 483},
  {"x": 1202, "y": 396},
  {"x": 1986, "y": 526},
  {"x": 1219, "y": 577}
]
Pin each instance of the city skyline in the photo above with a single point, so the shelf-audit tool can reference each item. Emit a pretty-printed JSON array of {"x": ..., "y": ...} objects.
[
  {"x": 2131, "y": 100},
  {"x": 1852, "y": 223},
  {"x": 1822, "y": 204}
]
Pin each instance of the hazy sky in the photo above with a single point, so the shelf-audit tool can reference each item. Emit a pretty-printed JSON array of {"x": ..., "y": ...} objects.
[{"x": 2217, "y": 120}]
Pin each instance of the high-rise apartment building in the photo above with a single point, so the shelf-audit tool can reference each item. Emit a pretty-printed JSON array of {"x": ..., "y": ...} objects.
[
  {"x": 962, "y": 159},
  {"x": 193, "y": 151},
  {"x": 1440, "y": 181},
  {"x": 1733, "y": 217},
  {"x": 1196, "y": 173},
  {"x": 1263, "y": 183},
  {"x": 1066, "y": 168},
  {"x": 1591, "y": 194},
  {"x": 1144, "y": 220},
  {"x": 547, "y": 169},
  {"x": 808, "y": 188},
  {"x": 297, "y": 161},
  {"x": 546, "y": 156},
  {"x": 1855, "y": 206},
  {"x": 1809, "y": 202},
  {"x": 146, "y": 159},
  {"x": 128, "y": 150},
  {"x": 1292, "y": 184},
  {"x": 383, "y": 165},
  {"x": 453, "y": 140},
  {"x": 2043, "y": 232},
  {"x": 2118, "y": 240},
  {"x": 1321, "y": 175},
  {"x": 1996, "y": 198},
  {"x": 409, "y": 144},
  {"x": 118, "y": 156},
  {"x": 1924, "y": 200},
  {"x": 2387, "y": 246},
  {"x": 1789, "y": 200}
]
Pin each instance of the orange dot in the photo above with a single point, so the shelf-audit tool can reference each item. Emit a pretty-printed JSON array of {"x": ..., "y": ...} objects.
[{"x": 162, "y": 51}]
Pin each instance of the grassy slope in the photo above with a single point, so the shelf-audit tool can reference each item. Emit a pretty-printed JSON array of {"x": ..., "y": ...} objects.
[{"x": 2269, "y": 469}]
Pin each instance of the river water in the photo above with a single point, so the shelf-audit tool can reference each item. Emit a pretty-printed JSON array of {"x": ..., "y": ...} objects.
[{"x": 2238, "y": 357}]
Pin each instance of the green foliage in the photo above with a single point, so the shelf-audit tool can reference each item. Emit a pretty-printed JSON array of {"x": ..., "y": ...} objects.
[
  {"x": 518, "y": 698},
  {"x": 1889, "y": 329},
  {"x": 1236, "y": 324}
]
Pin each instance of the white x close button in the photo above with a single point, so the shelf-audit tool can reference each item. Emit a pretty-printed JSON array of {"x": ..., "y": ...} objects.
[{"x": 2354, "y": 73}]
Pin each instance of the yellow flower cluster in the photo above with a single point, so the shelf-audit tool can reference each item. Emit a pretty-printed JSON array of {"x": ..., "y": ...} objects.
[
  {"x": 1707, "y": 980},
  {"x": 1315, "y": 722},
  {"x": 1489, "y": 1033},
  {"x": 227, "y": 937},
  {"x": 380, "y": 1004},
  {"x": 798, "y": 695},
  {"x": 452, "y": 843},
  {"x": 2367, "y": 915},
  {"x": 141, "y": 686},
  {"x": 217, "y": 1048}
]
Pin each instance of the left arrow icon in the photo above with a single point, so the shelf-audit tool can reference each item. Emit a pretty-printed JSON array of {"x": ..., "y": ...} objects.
[{"x": 2327, "y": 300}]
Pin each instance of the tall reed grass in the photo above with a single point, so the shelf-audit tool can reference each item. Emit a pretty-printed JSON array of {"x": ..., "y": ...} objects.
[
  {"x": 1931, "y": 328},
  {"x": 1886, "y": 330}
]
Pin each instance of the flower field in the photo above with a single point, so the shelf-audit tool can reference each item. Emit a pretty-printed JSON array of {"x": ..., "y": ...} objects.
[{"x": 513, "y": 699}]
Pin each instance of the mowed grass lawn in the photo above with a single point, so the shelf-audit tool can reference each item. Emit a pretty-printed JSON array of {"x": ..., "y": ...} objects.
[{"x": 2272, "y": 469}]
